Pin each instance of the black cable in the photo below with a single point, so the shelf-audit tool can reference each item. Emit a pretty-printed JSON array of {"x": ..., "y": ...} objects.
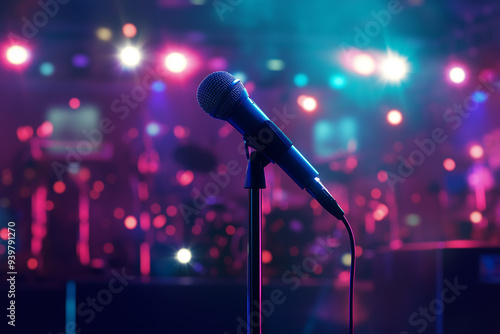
[{"x": 353, "y": 267}]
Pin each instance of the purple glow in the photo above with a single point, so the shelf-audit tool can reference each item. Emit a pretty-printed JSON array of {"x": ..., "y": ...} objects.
[{"x": 80, "y": 60}]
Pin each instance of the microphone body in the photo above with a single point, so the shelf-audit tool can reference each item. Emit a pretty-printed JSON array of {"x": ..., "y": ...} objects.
[{"x": 263, "y": 135}]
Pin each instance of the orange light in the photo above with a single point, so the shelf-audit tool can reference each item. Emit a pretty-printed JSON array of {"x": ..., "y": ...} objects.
[
  {"x": 476, "y": 151},
  {"x": 130, "y": 222},
  {"x": 364, "y": 64},
  {"x": 394, "y": 117},
  {"x": 308, "y": 103},
  {"x": 476, "y": 217}
]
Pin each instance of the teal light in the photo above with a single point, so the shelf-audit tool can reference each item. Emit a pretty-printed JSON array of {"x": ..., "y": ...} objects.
[
  {"x": 300, "y": 80},
  {"x": 333, "y": 136},
  {"x": 413, "y": 219},
  {"x": 337, "y": 81},
  {"x": 275, "y": 64},
  {"x": 240, "y": 75},
  {"x": 47, "y": 69}
]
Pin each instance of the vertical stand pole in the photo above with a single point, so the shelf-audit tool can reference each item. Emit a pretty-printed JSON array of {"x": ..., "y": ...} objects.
[
  {"x": 254, "y": 278},
  {"x": 255, "y": 181}
]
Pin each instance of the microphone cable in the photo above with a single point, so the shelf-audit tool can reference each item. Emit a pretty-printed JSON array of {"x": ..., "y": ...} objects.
[{"x": 352, "y": 273}]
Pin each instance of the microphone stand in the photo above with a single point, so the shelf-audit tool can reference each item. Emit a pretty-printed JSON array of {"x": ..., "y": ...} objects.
[{"x": 255, "y": 181}]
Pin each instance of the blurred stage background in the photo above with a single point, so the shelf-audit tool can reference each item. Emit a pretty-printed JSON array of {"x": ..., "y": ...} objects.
[{"x": 109, "y": 168}]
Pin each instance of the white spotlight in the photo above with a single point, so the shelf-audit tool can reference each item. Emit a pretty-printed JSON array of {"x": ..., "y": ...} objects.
[
  {"x": 183, "y": 255},
  {"x": 394, "y": 68},
  {"x": 130, "y": 56}
]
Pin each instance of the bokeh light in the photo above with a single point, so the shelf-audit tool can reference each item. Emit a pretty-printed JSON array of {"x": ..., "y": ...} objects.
[
  {"x": 153, "y": 129},
  {"x": 170, "y": 230},
  {"x": 130, "y": 222},
  {"x": 300, "y": 80},
  {"x": 394, "y": 68},
  {"x": 457, "y": 74},
  {"x": 363, "y": 64},
  {"x": 267, "y": 257},
  {"x": 337, "y": 81},
  {"x": 130, "y": 56},
  {"x": 382, "y": 176},
  {"x": 129, "y": 30},
  {"x": 449, "y": 164},
  {"x": 240, "y": 75},
  {"x": 476, "y": 217},
  {"x": 394, "y": 117},
  {"x": 74, "y": 103},
  {"x": 17, "y": 55},
  {"x": 183, "y": 255},
  {"x": 476, "y": 151},
  {"x": 80, "y": 60},
  {"x": 24, "y": 133},
  {"x": 46, "y": 69},
  {"x": 159, "y": 221},
  {"x": 59, "y": 187},
  {"x": 175, "y": 62},
  {"x": 104, "y": 34},
  {"x": 171, "y": 210},
  {"x": 413, "y": 219},
  {"x": 184, "y": 178},
  {"x": 346, "y": 259},
  {"x": 275, "y": 64},
  {"x": 45, "y": 130},
  {"x": 32, "y": 263},
  {"x": 479, "y": 96},
  {"x": 118, "y": 213},
  {"x": 308, "y": 103},
  {"x": 158, "y": 86},
  {"x": 376, "y": 193}
]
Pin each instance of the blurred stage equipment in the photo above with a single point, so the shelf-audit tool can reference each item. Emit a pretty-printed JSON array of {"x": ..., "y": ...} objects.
[
  {"x": 437, "y": 284},
  {"x": 224, "y": 97}
]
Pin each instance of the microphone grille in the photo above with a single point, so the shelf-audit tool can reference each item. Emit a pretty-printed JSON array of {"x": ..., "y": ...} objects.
[{"x": 213, "y": 95}]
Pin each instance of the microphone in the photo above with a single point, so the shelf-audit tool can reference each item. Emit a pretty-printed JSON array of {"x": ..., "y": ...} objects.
[{"x": 224, "y": 97}]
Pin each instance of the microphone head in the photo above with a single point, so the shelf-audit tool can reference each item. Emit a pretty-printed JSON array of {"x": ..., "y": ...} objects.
[{"x": 219, "y": 93}]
